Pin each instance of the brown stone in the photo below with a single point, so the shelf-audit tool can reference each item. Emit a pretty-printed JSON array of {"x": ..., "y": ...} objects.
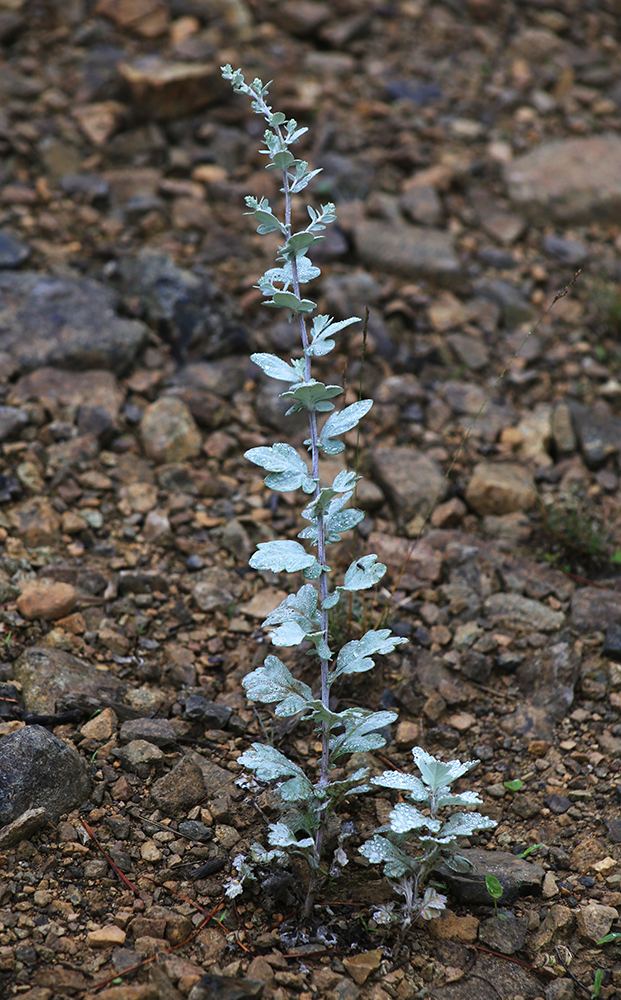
[{"x": 46, "y": 600}]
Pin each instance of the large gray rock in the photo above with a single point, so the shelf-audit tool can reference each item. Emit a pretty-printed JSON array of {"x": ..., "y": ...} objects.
[
  {"x": 410, "y": 479},
  {"x": 516, "y": 876},
  {"x": 37, "y": 770},
  {"x": 411, "y": 251},
  {"x": 49, "y": 675},
  {"x": 522, "y": 612},
  {"x": 569, "y": 180},
  {"x": 65, "y": 322}
]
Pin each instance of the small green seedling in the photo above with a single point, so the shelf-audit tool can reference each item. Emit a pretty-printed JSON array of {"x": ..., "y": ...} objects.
[
  {"x": 597, "y": 984},
  {"x": 613, "y": 936},
  {"x": 530, "y": 850},
  {"x": 495, "y": 890},
  {"x": 515, "y": 785}
]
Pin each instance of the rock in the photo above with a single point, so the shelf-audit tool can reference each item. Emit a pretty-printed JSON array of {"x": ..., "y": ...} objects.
[
  {"x": 23, "y": 827},
  {"x": 12, "y": 251},
  {"x": 563, "y": 434},
  {"x": 505, "y": 933},
  {"x": 515, "y": 610},
  {"x": 211, "y": 588},
  {"x": 180, "y": 789},
  {"x": 594, "y": 608},
  {"x": 12, "y": 420},
  {"x": 594, "y": 921},
  {"x": 500, "y": 489},
  {"x": 209, "y": 713},
  {"x": 47, "y": 600},
  {"x": 163, "y": 89},
  {"x": 69, "y": 391},
  {"x": 156, "y": 731},
  {"x": 37, "y": 770},
  {"x": 422, "y": 205},
  {"x": 65, "y": 322},
  {"x": 225, "y": 987},
  {"x": 514, "y": 307},
  {"x": 598, "y": 433},
  {"x": 410, "y": 479},
  {"x": 101, "y": 727},
  {"x": 517, "y": 877},
  {"x": 51, "y": 675},
  {"x": 109, "y": 936},
  {"x": 567, "y": 251},
  {"x": 168, "y": 431},
  {"x": 569, "y": 180},
  {"x": 612, "y": 643},
  {"x": 449, "y": 926},
  {"x": 586, "y": 853},
  {"x": 188, "y": 310},
  {"x": 36, "y": 523},
  {"x": 360, "y": 967},
  {"x": 100, "y": 121},
  {"x": 146, "y": 18},
  {"x": 411, "y": 251},
  {"x": 557, "y": 927}
]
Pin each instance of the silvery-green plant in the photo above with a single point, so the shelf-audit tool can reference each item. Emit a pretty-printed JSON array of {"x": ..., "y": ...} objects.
[
  {"x": 303, "y": 616},
  {"x": 416, "y": 842}
]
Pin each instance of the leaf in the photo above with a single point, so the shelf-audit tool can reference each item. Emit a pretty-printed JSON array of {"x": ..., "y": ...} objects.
[
  {"x": 493, "y": 886},
  {"x": 438, "y": 774},
  {"x": 363, "y": 573},
  {"x": 379, "y": 850},
  {"x": 405, "y": 782},
  {"x": 281, "y": 836},
  {"x": 276, "y": 368},
  {"x": 287, "y": 470},
  {"x": 306, "y": 272},
  {"x": 404, "y": 818},
  {"x": 322, "y": 332},
  {"x": 282, "y": 556},
  {"x": 298, "y": 619},
  {"x": 341, "y": 422},
  {"x": 465, "y": 824},
  {"x": 463, "y": 799},
  {"x": 269, "y": 763},
  {"x": 287, "y": 300},
  {"x": 312, "y": 395},
  {"x": 299, "y": 243},
  {"x": 301, "y": 182},
  {"x": 274, "y": 682},
  {"x": 432, "y": 905},
  {"x": 515, "y": 785},
  {"x": 361, "y": 731},
  {"x": 355, "y": 656}
]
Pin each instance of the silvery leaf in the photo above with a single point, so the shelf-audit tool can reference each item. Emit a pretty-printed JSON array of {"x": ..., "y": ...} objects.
[
  {"x": 361, "y": 731},
  {"x": 464, "y": 824},
  {"x": 355, "y": 656},
  {"x": 379, "y": 850},
  {"x": 287, "y": 470},
  {"x": 282, "y": 556},
  {"x": 341, "y": 422},
  {"x": 276, "y": 368},
  {"x": 287, "y": 300},
  {"x": 458, "y": 864},
  {"x": 438, "y": 774},
  {"x": 463, "y": 799},
  {"x": 281, "y": 836},
  {"x": 432, "y": 905},
  {"x": 284, "y": 275},
  {"x": 296, "y": 789},
  {"x": 405, "y": 782},
  {"x": 312, "y": 395},
  {"x": 274, "y": 682},
  {"x": 363, "y": 573},
  {"x": 405, "y": 817},
  {"x": 269, "y": 763},
  {"x": 323, "y": 330}
]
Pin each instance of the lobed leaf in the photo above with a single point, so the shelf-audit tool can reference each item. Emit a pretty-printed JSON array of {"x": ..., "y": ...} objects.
[
  {"x": 274, "y": 682},
  {"x": 363, "y": 573},
  {"x": 322, "y": 332},
  {"x": 436, "y": 773},
  {"x": 355, "y": 656},
  {"x": 312, "y": 395},
  {"x": 288, "y": 300},
  {"x": 379, "y": 851},
  {"x": 405, "y": 818},
  {"x": 341, "y": 422},
  {"x": 417, "y": 791},
  {"x": 269, "y": 763},
  {"x": 465, "y": 824},
  {"x": 287, "y": 470},
  {"x": 361, "y": 731}
]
